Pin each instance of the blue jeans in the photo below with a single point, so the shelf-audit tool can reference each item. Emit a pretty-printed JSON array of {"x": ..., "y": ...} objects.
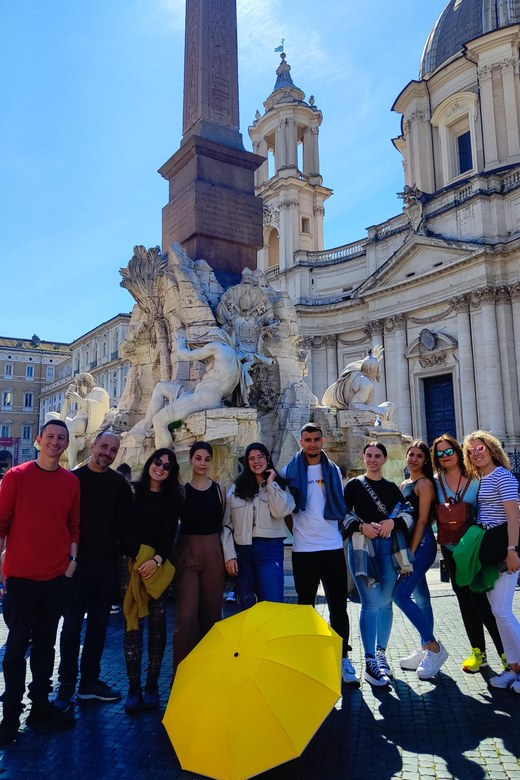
[
  {"x": 260, "y": 571},
  {"x": 419, "y": 612},
  {"x": 375, "y": 620}
]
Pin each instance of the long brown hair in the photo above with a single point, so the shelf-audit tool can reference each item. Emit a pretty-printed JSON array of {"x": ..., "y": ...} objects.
[{"x": 456, "y": 448}]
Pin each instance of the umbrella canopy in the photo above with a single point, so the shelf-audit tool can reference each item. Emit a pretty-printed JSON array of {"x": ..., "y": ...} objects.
[{"x": 254, "y": 691}]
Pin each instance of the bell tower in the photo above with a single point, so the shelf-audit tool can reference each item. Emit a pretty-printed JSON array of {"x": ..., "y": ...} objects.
[{"x": 289, "y": 181}]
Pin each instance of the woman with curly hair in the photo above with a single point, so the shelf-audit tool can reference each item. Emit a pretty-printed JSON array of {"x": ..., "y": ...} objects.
[
  {"x": 156, "y": 506},
  {"x": 453, "y": 484},
  {"x": 254, "y": 528},
  {"x": 419, "y": 491},
  {"x": 498, "y": 509}
]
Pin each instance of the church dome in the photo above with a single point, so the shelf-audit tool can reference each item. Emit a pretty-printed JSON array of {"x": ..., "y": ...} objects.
[{"x": 463, "y": 21}]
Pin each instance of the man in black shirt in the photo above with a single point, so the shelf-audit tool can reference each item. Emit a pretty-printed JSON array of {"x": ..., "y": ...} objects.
[{"x": 104, "y": 515}]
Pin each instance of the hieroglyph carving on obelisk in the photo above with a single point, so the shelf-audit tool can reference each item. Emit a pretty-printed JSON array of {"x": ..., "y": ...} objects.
[{"x": 211, "y": 70}]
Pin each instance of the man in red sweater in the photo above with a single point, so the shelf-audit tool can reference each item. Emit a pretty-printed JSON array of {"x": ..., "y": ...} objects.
[{"x": 39, "y": 520}]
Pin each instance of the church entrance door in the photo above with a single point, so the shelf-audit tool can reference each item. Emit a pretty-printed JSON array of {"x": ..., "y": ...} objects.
[{"x": 439, "y": 406}]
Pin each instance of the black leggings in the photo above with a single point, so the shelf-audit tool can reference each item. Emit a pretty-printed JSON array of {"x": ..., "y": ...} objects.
[
  {"x": 475, "y": 610},
  {"x": 328, "y": 566},
  {"x": 133, "y": 640}
]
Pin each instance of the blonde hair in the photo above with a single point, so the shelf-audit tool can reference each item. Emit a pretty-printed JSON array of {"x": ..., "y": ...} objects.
[{"x": 495, "y": 450}]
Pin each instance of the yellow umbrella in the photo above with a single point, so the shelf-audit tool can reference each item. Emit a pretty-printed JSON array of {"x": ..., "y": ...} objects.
[{"x": 254, "y": 691}]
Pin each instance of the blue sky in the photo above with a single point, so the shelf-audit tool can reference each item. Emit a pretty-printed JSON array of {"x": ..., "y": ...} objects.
[{"x": 92, "y": 106}]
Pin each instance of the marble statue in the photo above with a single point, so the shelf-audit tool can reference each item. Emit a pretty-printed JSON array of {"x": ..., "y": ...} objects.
[
  {"x": 224, "y": 378},
  {"x": 355, "y": 387},
  {"x": 246, "y": 314},
  {"x": 93, "y": 403}
]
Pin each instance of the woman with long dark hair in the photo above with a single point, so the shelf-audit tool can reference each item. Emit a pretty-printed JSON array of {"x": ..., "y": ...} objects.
[
  {"x": 199, "y": 576},
  {"x": 254, "y": 528},
  {"x": 156, "y": 506},
  {"x": 374, "y": 527},
  {"x": 484, "y": 457},
  {"x": 453, "y": 485},
  {"x": 419, "y": 491}
]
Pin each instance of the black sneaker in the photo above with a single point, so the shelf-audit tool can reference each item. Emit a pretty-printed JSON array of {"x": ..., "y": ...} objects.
[
  {"x": 65, "y": 694},
  {"x": 374, "y": 675},
  {"x": 383, "y": 663},
  {"x": 8, "y": 731},
  {"x": 98, "y": 690},
  {"x": 151, "y": 697},
  {"x": 49, "y": 716},
  {"x": 134, "y": 700}
]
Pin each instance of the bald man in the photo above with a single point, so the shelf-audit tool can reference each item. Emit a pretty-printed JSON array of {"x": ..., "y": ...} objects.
[{"x": 104, "y": 519}]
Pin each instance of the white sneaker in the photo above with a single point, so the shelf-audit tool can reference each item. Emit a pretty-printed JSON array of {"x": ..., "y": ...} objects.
[
  {"x": 348, "y": 673},
  {"x": 516, "y": 685},
  {"x": 383, "y": 663},
  {"x": 431, "y": 663},
  {"x": 505, "y": 679},
  {"x": 413, "y": 661}
]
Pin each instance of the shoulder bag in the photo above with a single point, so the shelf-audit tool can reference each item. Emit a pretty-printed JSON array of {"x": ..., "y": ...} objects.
[{"x": 454, "y": 516}]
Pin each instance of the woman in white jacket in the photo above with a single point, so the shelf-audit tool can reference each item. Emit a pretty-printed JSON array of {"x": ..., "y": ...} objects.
[{"x": 254, "y": 529}]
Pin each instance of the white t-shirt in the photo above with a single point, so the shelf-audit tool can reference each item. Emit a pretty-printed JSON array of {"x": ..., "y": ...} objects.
[{"x": 311, "y": 531}]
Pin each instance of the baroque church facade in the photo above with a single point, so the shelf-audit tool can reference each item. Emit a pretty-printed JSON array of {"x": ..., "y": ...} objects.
[{"x": 438, "y": 286}]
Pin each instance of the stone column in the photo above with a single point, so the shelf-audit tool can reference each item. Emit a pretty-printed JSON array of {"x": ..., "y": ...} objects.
[
  {"x": 487, "y": 113},
  {"x": 287, "y": 245},
  {"x": 491, "y": 367},
  {"x": 292, "y": 154},
  {"x": 315, "y": 152},
  {"x": 317, "y": 231},
  {"x": 374, "y": 330},
  {"x": 509, "y": 70},
  {"x": 307, "y": 151},
  {"x": 402, "y": 401},
  {"x": 514, "y": 291},
  {"x": 280, "y": 147},
  {"x": 331, "y": 344},
  {"x": 507, "y": 360},
  {"x": 466, "y": 368}
]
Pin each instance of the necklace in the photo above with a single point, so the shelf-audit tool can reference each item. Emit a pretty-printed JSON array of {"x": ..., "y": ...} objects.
[{"x": 457, "y": 491}]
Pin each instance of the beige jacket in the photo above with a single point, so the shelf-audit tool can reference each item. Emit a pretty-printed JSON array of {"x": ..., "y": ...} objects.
[{"x": 262, "y": 516}]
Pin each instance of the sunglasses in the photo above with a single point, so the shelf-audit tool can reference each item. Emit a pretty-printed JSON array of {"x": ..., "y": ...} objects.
[
  {"x": 477, "y": 450},
  {"x": 445, "y": 453},
  {"x": 160, "y": 465}
]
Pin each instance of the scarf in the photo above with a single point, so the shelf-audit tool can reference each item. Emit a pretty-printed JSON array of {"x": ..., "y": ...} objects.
[{"x": 296, "y": 475}]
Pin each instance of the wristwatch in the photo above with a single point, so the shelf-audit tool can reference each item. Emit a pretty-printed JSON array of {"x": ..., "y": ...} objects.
[
  {"x": 72, "y": 558},
  {"x": 154, "y": 559}
]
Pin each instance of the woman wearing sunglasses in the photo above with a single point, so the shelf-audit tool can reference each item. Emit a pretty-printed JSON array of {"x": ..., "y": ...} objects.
[
  {"x": 199, "y": 577},
  {"x": 453, "y": 484},
  {"x": 419, "y": 491},
  {"x": 254, "y": 528},
  {"x": 157, "y": 501},
  {"x": 498, "y": 506}
]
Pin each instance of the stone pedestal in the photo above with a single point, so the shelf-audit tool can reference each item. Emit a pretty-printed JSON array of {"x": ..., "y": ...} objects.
[
  {"x": 212, "y": 210},
  {"x": 347, "y": 432},
  {"x": 229, "y": 430}
]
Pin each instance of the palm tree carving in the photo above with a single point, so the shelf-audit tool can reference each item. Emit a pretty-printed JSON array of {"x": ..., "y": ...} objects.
[{"x": 144, "y": 279}]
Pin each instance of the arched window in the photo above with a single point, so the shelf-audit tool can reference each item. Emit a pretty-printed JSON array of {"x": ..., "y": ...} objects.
[{"x": 273, "y": 242}]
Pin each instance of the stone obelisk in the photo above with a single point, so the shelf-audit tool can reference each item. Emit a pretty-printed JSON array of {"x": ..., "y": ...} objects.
[{"x": 212, "y": 209}]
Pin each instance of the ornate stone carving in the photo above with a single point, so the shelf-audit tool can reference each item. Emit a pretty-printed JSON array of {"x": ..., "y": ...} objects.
[
  {"x": 416, "y": 116},
  {"x": 353, "y": 342},
  {"x": 487, "y": 295},
  {"x": 485, "y": 72},
  {"x": 433, "y": 318},
  {"x": 331, "y": 340},
  {"x": 271, "y": 216},
  {"x": 514, "y": 291},
  {"x": 502, "y": 295},
  {"x": 318, "y": 211},
  {"x": 461, "y": 304},
  {"x": 397, "y": 322},
  {"x": 289, "y": 204},
  {"x": 428, "y": 361},
  {"x": 355, "y": 387},
  {"x": 509, "y": 64},
  {"x": 413, "y": 207}
]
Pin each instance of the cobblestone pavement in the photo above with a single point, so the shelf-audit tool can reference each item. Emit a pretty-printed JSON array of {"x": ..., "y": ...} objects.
[{"x": 454, "y": 726}]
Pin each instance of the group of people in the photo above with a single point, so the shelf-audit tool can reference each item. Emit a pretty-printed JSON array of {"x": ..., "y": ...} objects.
[{"x": 72, "y": 537}]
